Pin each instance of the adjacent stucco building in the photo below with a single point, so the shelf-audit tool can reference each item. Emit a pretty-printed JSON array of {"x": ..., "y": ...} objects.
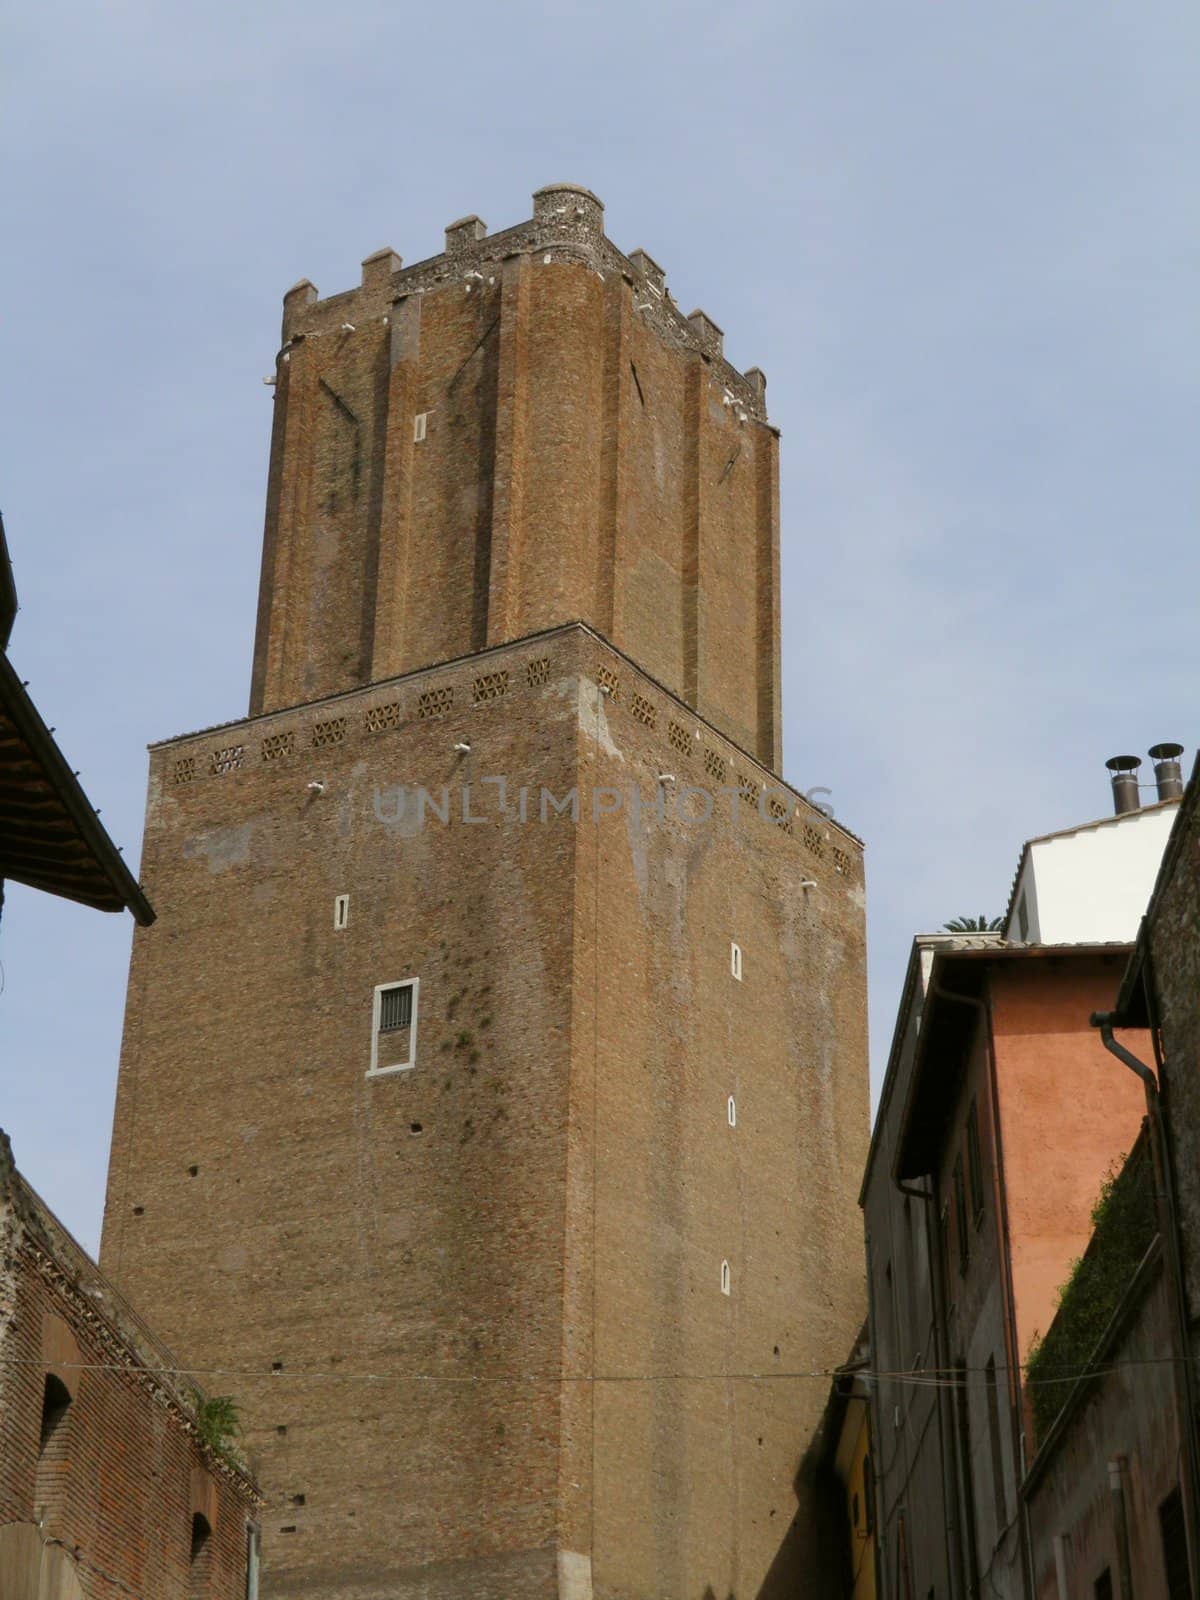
[
  {"x": 1104, "y": 1496},
  {"x": 1158, "y": 1003},
  {"x": 1001, "y": 1117},
  {"x": 849, "y": 1462},
  {"x": 1092, "y": 883}
]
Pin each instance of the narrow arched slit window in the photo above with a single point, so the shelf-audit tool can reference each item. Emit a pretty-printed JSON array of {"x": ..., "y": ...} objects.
[
  {"x": 52, "y": 1447},
  {"x": 726, "y": 1278},
  {"x": 200, "y": 1570}
]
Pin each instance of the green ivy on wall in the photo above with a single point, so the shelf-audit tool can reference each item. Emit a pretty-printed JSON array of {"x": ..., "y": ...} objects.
[{"x": 1125, "y": 1222}]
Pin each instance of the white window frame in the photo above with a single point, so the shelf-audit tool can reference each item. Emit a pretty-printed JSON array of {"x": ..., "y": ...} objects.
[
  {"x": 726, "y": 1278},
  {"x": 420, "y": 427},
  {"x": 341, "y": 912},
  {"x": 375, "y": 1070},
  {"x": 735, "y": 961},
  {"x": 731, "y": 1112}
]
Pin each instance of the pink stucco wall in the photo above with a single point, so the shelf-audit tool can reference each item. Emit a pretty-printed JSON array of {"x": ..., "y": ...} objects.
[{"x": 1069, "y": 1113}]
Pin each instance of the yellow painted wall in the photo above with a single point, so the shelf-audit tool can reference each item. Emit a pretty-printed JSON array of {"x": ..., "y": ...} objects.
[{"x": 854, "y": 1446}]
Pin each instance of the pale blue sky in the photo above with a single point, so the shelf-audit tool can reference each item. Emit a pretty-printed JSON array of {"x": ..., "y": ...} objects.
[{"x": 961, "y": 241}]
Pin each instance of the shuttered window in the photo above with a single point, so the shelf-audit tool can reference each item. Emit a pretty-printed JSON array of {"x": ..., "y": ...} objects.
[
  {"x": 960, "y": 1214},
  {"x": 1174, "y": 1543},
  {"x": 999, "y": 1496},
  {"x": 975, "y": 1163}
]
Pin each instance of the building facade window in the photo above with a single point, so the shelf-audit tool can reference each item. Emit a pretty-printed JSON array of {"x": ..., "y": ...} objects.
[
  {"x": 200, "y": 1567},
  {"x": 52, "y": 1448},
  {"x": 1174, "y": 1547},
  {"x": 887, "y": 1343},
  {"x": 960, "y": 1214},
  {"x": 394, "y": 1027},
  {"x": 56, "y": 1401},
  {"x": 975, "y": 1163},
  {"x": 993, "y": 1420},
  {"x": 904, "y": 1586}
]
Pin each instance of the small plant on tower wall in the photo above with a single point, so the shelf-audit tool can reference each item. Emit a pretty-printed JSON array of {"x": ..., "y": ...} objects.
[{"x": 220, "y": 1424}]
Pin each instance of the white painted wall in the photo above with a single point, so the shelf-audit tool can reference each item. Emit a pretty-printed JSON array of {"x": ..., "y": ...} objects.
[{"x": 1092, "y": 884}]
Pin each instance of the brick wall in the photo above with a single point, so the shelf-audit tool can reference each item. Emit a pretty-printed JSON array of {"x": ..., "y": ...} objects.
[
  {"x": 585, "y": 452},
  {"x": 1174, "y": 942},
  {"x": 480, "y": 1302},
  {"x": 103, "y": 1504}
]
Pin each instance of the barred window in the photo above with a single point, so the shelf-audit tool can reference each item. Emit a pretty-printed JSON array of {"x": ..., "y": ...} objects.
[
  {"x": 395, "y": 1008},
  {"x": 394, "y": 1028}
]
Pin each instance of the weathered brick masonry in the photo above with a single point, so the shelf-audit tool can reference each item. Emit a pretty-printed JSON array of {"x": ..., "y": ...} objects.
[
  {"x": 482, "y": 1300},
  {"x": 584, "y": 451},
  {"x": 99, "y": 1497}
]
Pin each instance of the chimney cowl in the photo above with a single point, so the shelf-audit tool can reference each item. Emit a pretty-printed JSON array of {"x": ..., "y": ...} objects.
[
  {"x": 1124, "y": 771},
  {"x": 1168, "y": 775}
]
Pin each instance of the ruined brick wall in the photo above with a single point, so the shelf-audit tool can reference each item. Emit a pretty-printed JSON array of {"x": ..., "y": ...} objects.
[
  {"x": 106, "y": 1501},
  {"x": 479, "y": 1303},
  {"x": 520, "y": 432}
]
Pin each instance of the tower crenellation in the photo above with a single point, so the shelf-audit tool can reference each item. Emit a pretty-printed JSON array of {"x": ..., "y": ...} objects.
[
  {"x": 567, "y": 219},
  {"x": 379, "y": 268},
  {"x": 522, "y": 431},
  {"x": 711, "y": 338}
]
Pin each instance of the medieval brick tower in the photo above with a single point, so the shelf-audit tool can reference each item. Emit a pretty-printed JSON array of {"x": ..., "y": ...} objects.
[{"x": 493, "y": 1095}]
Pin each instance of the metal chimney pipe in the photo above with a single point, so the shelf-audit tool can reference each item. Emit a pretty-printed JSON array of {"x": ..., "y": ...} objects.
[
  {"x": 1168, "y": 775},
  {"x": 1124, "y": 783}
]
